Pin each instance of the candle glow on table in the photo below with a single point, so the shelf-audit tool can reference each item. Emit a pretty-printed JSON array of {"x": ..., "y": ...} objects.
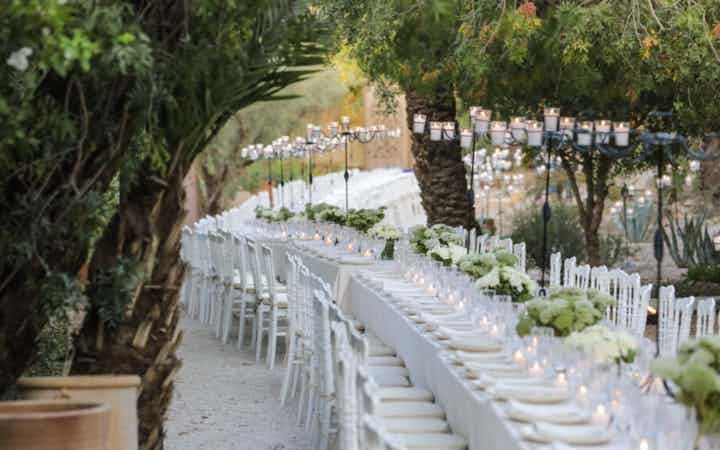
[
  {"x": 519, "y": 358},
  {"x": 644, "y": 444},
  {"x": 536, "y": 370},
  {"x": 600, "y": 416},
  {"x": 561, "y": 380}
]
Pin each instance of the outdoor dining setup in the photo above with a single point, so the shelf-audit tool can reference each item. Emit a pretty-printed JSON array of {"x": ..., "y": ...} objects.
[{"x": 437, "y": 338}]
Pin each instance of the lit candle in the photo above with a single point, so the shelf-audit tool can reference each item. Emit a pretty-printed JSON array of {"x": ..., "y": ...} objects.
[
  {"x": 582, "y": 395},
  {"x": 536, "y": 370},
  {"x": 494, "y": 331},
  {"x": 367, "y": 253},
  {"x": 449, "y": 131},
  {"x": 309, "y": 132},
  {"x": 602, "y": 131},
  {"x": 644, "y": 444},
  {"x": 317, "y": 236},
  {"x": 584, "y": 135},
  {"x": 436, "y": 131},
  {"x": 600, "y": 416},
  {"x": 534, "y": 133},
  {"x": 517, "y": 128},
  {"x": 466, "y": 138},
  {"x": 622, "y": 134},
  {"x": 497, "y": 132},
  {"x": 567, "y": 125},
  {"x": 519, "y": 358},
  {"x": 345, "y": 120},
  {"x": 561, "y": 380},
  {"x": 551, "y": 118},
  {"x": 480, "y": 118}
]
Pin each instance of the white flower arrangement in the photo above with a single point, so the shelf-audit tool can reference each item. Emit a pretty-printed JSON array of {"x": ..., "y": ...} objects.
[
  {"x": 606, "y": 346},
  {"x": 506, "y": 280},
  {"x": 448, "y": 255},
  {"x": 384, "y": 231},
  {"x": 424, "y": 239}
]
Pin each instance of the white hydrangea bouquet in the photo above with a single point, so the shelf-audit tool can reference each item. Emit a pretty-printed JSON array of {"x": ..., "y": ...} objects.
[
  {"x": 566, "y": 310},
  {"x": 507, "y": 280},
  {"x": 387, "y": 232},
  {"x": 423, "y": 239},
  {"x": 449, "y": 255},
  {"x": 604, "y": 345},
  {"x": 478, "y": 265}
]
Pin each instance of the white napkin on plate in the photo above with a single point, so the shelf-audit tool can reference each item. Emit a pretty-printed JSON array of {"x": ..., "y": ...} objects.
[
  {"x": 574, "y": 434},
  {"x": 562, "y": 413},
  {"x": 476, "y": 344},
  {"x": 356, "y": 260},
  {"x": 486, "y": 380},
  {"x": 530, "y": 394},
  {"x": 475, "y": 370}
]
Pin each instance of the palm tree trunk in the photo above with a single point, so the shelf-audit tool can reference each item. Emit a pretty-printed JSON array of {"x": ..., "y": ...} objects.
[
  {"x": 439, "y": 168},
  {"x": 147, "y": 228}
]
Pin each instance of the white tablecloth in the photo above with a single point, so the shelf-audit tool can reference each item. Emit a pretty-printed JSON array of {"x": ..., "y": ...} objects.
[{"x": 469, "y": 412}]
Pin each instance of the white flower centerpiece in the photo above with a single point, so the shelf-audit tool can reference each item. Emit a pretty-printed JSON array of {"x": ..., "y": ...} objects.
[
  {"x": 387, "y": 232},
  {"x": 423, "y": 239},
  {"x": 565, "y": 310},
  {"x": 605, "y": 346},
  {"x": 497, "y": 271}
]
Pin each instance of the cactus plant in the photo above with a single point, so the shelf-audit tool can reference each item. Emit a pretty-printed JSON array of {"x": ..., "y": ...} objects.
[{"x": 690, "y": 244}]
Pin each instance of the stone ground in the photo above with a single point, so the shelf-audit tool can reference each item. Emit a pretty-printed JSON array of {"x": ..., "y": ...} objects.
[{"x": 224, "y": 401}]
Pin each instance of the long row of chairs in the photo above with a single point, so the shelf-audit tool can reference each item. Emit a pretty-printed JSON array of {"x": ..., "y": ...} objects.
[
  {"x": 351, "y": 391},
  {"x": 675, "y": 315}
]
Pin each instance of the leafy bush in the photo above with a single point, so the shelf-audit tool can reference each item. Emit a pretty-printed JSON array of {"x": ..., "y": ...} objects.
[
  {"x": 705, "y": 273},
  {"x": 364, "y": 219},
  {"x": 565, "y": 234}
]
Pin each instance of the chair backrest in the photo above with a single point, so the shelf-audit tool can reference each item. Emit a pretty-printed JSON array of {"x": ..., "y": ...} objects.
[
  {"x": 705, "y": 325},
  {"x": 480, "y": 243},
  {"x": 520, "y": 252},
  {"x": 345, "y": 394},
  {"x": 322, "y": 344},
  {"x": 253, "y": 259},
  {"x": 599, "y": 279},
  {"x": 505, "y": 244},
  {"x": 582, "y": 276},
  {"x": 556, "y": 269},
  {"x": 268, "y": 267},
  {"x": 674, "y": 319},
  {"x": 569, "y": 272}
]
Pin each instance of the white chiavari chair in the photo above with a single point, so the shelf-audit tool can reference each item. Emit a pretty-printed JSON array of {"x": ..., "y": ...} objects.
[
  {"x": 249, "y": 304},
  {"x": 599, "y": 279},
  {"x": 505, "y": 244},
  {"x": 569, "y": 272},
  {"x": 705, "y": 324},
  {"x": 520, "y": 252},
  {"x": 276, "y": 303},
  {"x": 555, "y": 269},
  {"x": 675, "y": 316}
]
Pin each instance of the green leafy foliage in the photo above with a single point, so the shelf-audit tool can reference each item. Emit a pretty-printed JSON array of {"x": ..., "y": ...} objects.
[
  {"x": 690, "y": 243},
  {"x": 696, "y": 373},
  {"x": 423, "y": 239},
  {"x": 112, "y": 290},
  {"x": 565, "y": 310},
  {"x": 364, "y": 219}
]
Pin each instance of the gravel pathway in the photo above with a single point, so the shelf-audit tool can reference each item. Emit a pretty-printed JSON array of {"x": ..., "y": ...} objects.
[{"x": 224, "y": 401}]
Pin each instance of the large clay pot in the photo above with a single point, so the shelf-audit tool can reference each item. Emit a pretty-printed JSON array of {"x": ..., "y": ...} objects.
[
  {"x": 54, "y": 425},
  {"x": 118, "y": 391}
]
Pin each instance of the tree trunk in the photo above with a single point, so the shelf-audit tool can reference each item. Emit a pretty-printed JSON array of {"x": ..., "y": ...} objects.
[
  {"x": 439, "y": 168},
  {"x": 597, "y": 178},
  {"x": 147, "y": 228}
]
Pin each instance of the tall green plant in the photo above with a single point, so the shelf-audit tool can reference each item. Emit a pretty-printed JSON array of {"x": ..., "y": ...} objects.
[{"x": 690, "y": 243}]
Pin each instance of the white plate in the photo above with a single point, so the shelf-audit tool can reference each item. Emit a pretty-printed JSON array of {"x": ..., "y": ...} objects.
[
  {"x": 562, "y": 413},
  {"x": 476, "y": 344},
  {"x": 530, "y": 394},
  {"x": 574, "y": 434}
]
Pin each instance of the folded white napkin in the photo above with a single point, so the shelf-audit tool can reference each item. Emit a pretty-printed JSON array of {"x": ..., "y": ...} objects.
[
  {"x": 476, "y": 344},
  {"x": 574, "y": 434},
  {"x": 356, "y": 260},
  {"x": 475, "y": 370},
  {"x": 563, "y": 413},
  {"x": 486, "y": 380},
  {"x": 530, "y": 394},
  {"x": 450, "y": 332}
]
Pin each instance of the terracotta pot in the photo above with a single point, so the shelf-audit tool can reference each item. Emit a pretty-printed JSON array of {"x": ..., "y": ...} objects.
[
  {"x": 54, "y": 425},
  {"x": 120, "y": 392}
]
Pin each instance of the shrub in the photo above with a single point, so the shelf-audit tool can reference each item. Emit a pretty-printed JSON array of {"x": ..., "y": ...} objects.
[
  {"x": 706, "y": 273},
  {"x": 565, "y": 234}
]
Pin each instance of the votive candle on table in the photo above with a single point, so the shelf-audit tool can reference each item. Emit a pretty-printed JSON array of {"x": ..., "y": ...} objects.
[
  {"x": 602, "y": 131},
  {"x": 622, "y": 133},
  {"x": 536, "y": 370},
  {"x": 561, "y": 380},
  {"x": 600, "y": 416},
  {"x": 584, "y": 135},
  {"x": 534, "y": 133},
  {"x": 551, "y": 118}
]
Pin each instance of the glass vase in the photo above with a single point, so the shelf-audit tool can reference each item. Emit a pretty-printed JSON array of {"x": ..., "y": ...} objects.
[{"x": 388, "y": 252}]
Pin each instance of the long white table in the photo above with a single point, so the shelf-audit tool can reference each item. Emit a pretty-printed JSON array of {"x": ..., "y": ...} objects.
[{"x": 470, "y": 412}]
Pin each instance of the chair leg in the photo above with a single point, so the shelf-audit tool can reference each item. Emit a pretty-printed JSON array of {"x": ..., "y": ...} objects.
[
  {"x": 241, "y": 326},
  {"x": 272, "y": 340},
  {"x": 259, "y": 333},
  {"x": 301, "y": 402},
  {"x": 290, "y": 369},
  {"x": 227, "y": 318}
]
